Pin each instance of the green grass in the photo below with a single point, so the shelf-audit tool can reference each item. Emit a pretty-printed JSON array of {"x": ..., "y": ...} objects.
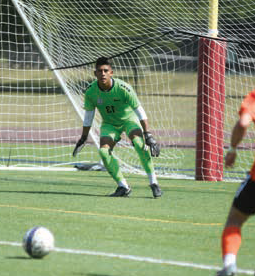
[{"x": 184, "y": 225}]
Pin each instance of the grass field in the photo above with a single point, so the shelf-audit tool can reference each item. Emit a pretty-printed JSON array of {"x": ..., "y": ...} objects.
[{"x": 96, "y": 235}]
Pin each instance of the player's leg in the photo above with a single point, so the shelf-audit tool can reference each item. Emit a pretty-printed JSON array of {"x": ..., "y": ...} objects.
[
  {"x": 231, "y": 241},
  {"x": 143, "y": 153},
  {"x": 109, "y": 137},
  {"x": 136, "y": 136},
  {"x": 243, "y": 206}
]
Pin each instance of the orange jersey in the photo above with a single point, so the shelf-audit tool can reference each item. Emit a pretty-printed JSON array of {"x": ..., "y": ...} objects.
[{"x": 248, "y": 106}]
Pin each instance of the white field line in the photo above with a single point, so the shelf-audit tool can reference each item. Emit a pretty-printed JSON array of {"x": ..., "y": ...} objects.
[{"x": 134, "y": 258}]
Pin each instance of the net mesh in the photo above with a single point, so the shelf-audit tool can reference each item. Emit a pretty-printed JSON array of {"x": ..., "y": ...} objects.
[{"x": 154, "y": 46}]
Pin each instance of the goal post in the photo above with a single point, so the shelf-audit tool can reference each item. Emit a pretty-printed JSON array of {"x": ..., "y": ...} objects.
[
  {"x": 47, "y": 60},
  {"x": 213, "y": 18},
  {"x": 40, "y": 118},
  {"x": 210, "y": 102},
  {"x": 210, "y": 110},
  {"x": 78, "y": 108}
]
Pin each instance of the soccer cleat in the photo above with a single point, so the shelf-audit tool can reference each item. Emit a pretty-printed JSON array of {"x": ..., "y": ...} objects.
[
  {"x": 227, "y": 271},
  {"x": 121, "y": 192},
  {"x": 156, "y": 191}
]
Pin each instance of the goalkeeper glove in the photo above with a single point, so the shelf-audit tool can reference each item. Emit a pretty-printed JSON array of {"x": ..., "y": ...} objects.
[
  {"x": 150, "y": 141},
  {"x": 79, "y": 145}
]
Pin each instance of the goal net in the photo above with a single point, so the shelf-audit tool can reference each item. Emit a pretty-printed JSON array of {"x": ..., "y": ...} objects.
[{"x": 48, "y": 54}]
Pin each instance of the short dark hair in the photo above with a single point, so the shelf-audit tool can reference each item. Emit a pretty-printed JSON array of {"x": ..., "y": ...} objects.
[{"x": 103, "y": 61}]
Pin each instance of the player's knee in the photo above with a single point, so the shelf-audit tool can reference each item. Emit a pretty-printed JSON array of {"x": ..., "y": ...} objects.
[
  {"x": 138, "y": 143},
  {"x": 104, "y": 153}
]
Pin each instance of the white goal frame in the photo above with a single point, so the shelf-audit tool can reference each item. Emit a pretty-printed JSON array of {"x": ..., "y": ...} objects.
[{"x": 160, "y": 62}]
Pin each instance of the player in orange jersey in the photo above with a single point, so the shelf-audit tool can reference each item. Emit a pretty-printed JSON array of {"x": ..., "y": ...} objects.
[{"x": 243, "y": 205}]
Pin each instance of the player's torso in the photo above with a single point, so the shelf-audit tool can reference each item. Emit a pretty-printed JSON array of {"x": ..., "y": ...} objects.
[
  {"x": 248, "y": 105},
  {"x": 113, "y": 104}
]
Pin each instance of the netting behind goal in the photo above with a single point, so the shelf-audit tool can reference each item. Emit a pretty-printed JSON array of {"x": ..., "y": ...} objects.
[{"x": 154, "y": 46}]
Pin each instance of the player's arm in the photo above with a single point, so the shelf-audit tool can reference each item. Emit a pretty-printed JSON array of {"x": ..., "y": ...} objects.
[
  {"x": 87, "y": 122},
  {"x": 237, "y": 136},
  {"x": 142, "y": 117},
  {"x": 149, "y": 139}
]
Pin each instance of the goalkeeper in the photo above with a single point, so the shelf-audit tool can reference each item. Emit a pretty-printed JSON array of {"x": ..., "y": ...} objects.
[{"x": 121, "y": 111}]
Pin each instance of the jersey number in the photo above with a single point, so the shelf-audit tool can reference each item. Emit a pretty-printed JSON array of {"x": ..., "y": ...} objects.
[{"x": 110, "y": 109}]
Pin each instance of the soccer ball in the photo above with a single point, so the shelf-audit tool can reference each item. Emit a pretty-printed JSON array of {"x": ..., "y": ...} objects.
[{"x": 38, "y": 242}]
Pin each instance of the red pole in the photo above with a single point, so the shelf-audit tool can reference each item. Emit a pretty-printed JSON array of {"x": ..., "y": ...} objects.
[{"x": 210, "y": 110}]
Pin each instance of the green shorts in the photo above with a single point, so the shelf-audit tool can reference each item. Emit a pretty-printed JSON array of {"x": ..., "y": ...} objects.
[{"x": 114, "y": 132}]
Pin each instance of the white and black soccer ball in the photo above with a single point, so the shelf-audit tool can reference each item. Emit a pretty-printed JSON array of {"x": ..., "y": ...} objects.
[{"x": 38, "y": 242}]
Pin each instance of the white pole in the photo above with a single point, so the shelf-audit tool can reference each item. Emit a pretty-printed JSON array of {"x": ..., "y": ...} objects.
[{"x": 50, "y": 62}]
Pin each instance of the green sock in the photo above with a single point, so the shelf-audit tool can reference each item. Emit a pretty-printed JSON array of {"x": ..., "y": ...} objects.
[
  {"x": 144, "y": 155},
  {"x": 111, "y": 164}
]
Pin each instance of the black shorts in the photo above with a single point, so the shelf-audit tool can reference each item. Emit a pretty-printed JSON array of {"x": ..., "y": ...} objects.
[{"x": 244, "y": 199}]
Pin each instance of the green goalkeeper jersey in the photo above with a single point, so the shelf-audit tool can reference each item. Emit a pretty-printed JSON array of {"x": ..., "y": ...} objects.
[{"x": 115, "y": 105}]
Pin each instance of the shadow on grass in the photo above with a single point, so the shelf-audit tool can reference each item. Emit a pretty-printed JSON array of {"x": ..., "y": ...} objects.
[
  {"x": 80, "y": 194},
  {"x": 95, "y": 274},
  {"x": 52, "y": 193},
  {"x": 20, "y": 258},
  {"x": 73, "y": 194},
  {"x": 89, "y": 274}
]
